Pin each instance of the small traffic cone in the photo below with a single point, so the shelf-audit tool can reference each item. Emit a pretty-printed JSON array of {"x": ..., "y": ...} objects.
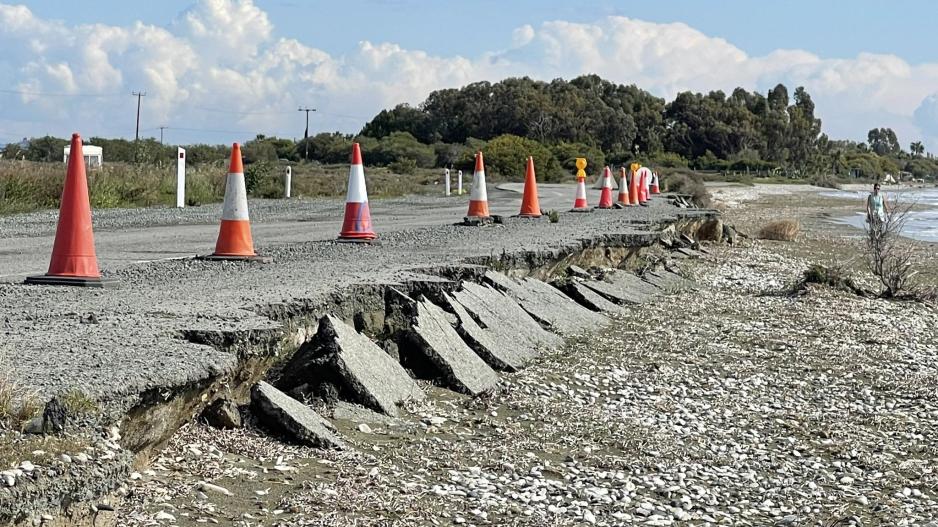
[
  {"x": 580, "y": 204},
  {"x": 234, "y": 235},
  {"x": 633, "y": 185},
  {"x": 624, "y": 188},
  {"x": 643, "y": 182},
  {"x": 530, "y": 206},
  {"x": 357, "y": 224},
  {"x": 478, "y": 198},
  {"x": 654, "y": 183},
  {"x": 74, "y": 261},
  {"x": 605, "y": 197}
]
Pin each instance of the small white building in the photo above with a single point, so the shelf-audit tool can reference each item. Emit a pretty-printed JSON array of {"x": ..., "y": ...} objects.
[{"x": 94, "y": 155}]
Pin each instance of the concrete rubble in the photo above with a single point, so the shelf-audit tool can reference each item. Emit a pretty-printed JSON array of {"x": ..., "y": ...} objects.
[
  {"x": 281, "y": 412},
  {"x": 548, "y": 305},
  {"x": 433, "y": 338}
]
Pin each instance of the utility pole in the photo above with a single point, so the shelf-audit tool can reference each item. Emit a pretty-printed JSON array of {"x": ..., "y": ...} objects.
[
  {"x": 161, "y": 133},
  {"x": 138, "y": 95},
  {"x": 306, "y": 133}
]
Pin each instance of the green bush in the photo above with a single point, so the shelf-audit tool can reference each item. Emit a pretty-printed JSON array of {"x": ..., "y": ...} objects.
[
  {"x": 826, "y": 181},
  {"x": 403, "y": 166},
  {"x": 255, "y": 174},
  {"x": 507, "y": 156},
  {"x": 401, "y": 145},
  {"x": 566, "y": 154}
]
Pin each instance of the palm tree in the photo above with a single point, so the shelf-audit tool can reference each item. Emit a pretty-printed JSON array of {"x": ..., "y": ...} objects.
[{"x": 917, "y": 148}]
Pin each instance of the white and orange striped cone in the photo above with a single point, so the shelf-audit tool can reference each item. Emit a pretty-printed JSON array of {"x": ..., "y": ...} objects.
[
  {"x": 580, "y": 204},
  {"x": 644, "y": 180},
  {"x": 605, "y": 197},
  {"x": 478, "y": 197},
  {"x": 357, "y": 224},
  {"x": 624, "y": 188},
  {"x": 654, "y": 183},
  {"x": 234, "y": 236}
]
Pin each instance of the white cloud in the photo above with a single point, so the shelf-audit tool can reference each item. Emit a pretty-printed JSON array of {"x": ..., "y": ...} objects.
[{"x": 225, "y": 54}]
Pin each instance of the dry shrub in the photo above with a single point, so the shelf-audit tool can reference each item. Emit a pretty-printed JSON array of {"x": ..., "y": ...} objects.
[
  {"x": 891, "y": 256},
  {"x": 781, "y": 230},
  {"x": 690, "y": 185},
  {"x": 17, "y": 406}
]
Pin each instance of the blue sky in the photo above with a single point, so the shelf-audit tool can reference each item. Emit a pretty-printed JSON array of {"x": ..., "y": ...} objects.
[
  {"x": 223, "y": 70},
  {"x": 831, "y": 28}
]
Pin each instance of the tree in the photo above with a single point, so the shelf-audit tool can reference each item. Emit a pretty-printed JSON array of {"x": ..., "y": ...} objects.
[
  {"x": 883, "y": 141},
  {"x": 917, "y": 148}
]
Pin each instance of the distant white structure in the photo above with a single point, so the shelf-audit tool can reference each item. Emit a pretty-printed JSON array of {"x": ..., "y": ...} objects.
[
  {"x": 181, "y": 178},
  {"x": 94, "y": 155}
]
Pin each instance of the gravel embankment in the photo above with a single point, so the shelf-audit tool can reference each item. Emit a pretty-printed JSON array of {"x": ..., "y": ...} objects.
[{"x": 723, "y": 406}]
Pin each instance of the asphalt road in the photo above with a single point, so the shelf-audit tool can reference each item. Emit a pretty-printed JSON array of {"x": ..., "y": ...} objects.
[{"x": 124, "y": 237}]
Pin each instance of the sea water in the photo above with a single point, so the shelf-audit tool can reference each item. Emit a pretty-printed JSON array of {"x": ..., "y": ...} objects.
[{"x": 921, "y": 224}]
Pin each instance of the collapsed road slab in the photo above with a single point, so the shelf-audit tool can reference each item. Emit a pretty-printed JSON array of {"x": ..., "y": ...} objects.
[
  {"x": 668, "y": 281},
  {"x": 434, "y": 341},
  {"x": 362, "y": 371},
  {"x": 618, "y": 292},
  {"x": 547, "y": 304},
  {"x": 632, "y": 282},
  {"x": 497, "y": 348},
  {"x": 278, "y": 411},
  {"x": 498, "y": 312},
  {"x": 586, "y": 297}
]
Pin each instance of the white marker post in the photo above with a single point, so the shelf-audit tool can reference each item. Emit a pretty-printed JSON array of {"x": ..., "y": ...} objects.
[
  {"x": 446, "y": 180},
  {"x": 459, "y": 183},
  {"x": 181, "y": 178},
  {"x": 287, "y": 181}
]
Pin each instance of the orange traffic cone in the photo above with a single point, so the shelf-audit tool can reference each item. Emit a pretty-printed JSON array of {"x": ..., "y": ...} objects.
[
  {"x": 530, "y": 206},
  {"x": 605, "y": 197},
  {"x": 357, "y": 224},
  {"x": 234, "y": 235},
  {"x": 580, "y": 204},
  {"x": 654, "y": 183},
  {"x": 644, "y": 180},
  {"x": 74, "y": 261},
  {"x": 624, "y": 188},
  {"x": 478, "y": 198},
  {"x": 633, "y": 184}
]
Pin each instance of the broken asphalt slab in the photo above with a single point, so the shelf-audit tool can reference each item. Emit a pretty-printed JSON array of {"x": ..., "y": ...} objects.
[
  {"x": 278, "y": 411},
  {"x": 547, "y": 304}
]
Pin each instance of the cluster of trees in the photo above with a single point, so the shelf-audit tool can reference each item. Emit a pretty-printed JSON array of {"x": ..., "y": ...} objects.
[{"x": 560, "y": 120}]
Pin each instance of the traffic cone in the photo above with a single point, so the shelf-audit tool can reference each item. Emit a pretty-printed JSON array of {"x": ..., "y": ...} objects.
[
  {"x": 605, "y": 197},
  {"x": 654, "y": 183},
  {"x": 643, "y": 177},
  {"x": 580, "y": 204},
  {"x": 478, "y": 198},
  {"x": 234, "y": 235},
  {"x": 74, "y": 261},
  {"x": 633, "y": 184},
  {"x": 530, "y": 206},
  {"x": 624, "y": 188},
  {"x": 357, "y": 224}
]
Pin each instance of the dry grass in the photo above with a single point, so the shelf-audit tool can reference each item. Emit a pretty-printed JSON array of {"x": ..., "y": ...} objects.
[
  {"x": 17, "y": 405},
  {"x": 781, "y": 230},
  {"x": 29, "y": 186}
]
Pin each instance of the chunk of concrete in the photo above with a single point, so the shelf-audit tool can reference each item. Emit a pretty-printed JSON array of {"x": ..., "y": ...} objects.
[
  {"x": 280, "y": 412},
  {"x": 222, "y": 414},
  {"x": 618, "y": 293},
  {"x": 433, "y": 338},
  {"x": 496, "y": 347},
  {"x": 668, "y": 281},
  {"x": 548, "y": 305},
  {"x": 588, "y": 298},
  {"x": 361, "y": 370},
  {"x": 499, "y": 313},
  {"x": 632, "y": 282}
]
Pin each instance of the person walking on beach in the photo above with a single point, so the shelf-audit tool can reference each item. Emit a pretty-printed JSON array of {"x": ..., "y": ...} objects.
[{"x": 876, "y": 207}]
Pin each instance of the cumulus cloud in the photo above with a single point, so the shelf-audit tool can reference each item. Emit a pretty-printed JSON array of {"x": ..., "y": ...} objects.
[{"x": 225, "y": 54}]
